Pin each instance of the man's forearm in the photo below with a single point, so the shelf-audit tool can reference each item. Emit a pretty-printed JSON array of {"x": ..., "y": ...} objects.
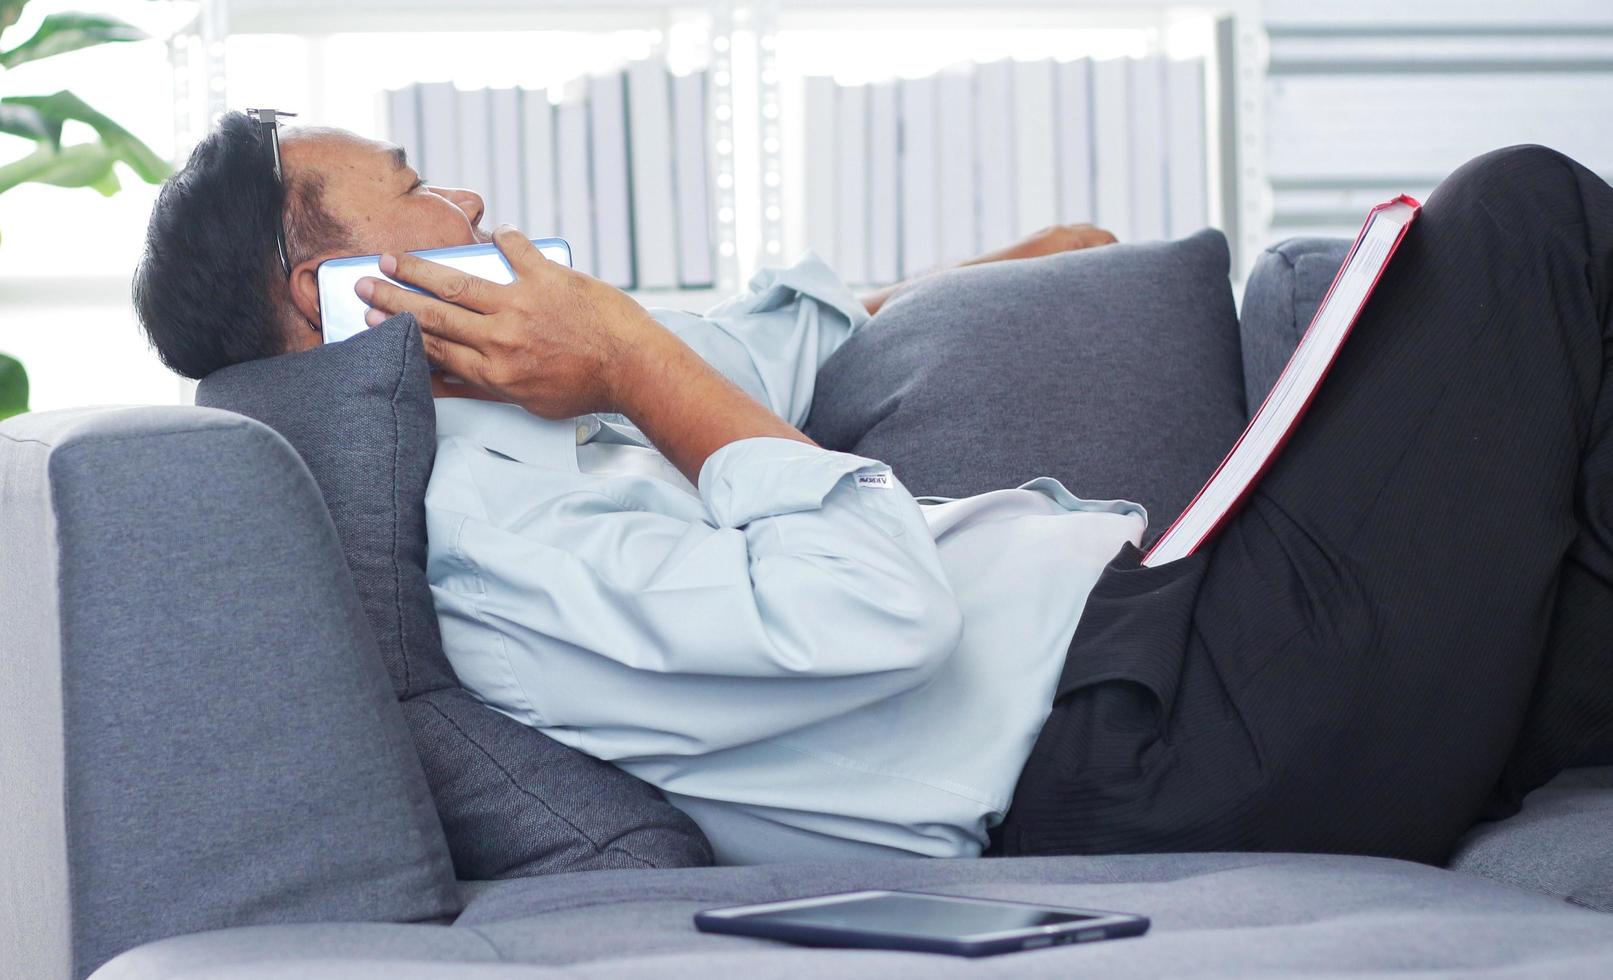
[
  {"x": 1055, "y": 238},
  {"x": 685, "y": 407}
]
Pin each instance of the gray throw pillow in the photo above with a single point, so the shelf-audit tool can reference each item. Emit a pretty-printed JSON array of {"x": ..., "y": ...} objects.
[
  {"x": 513, "y": 802},
  {"x": 1114, "y": 369}
]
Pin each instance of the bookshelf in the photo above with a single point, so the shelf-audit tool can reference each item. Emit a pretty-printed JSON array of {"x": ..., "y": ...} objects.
[{"x": 754, "y": 101}]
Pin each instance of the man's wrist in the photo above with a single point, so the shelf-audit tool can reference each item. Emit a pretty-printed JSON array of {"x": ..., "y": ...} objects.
[{"x": 637, "y": 367}]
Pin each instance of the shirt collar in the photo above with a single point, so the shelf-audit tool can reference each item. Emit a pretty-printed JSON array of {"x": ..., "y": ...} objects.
[{"x": 512, "y": 431}]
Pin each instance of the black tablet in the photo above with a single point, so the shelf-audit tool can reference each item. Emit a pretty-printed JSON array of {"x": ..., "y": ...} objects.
[{"x": 920, "y": 922}]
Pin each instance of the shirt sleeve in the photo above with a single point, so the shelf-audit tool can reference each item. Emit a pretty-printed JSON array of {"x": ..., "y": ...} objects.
[
  {"x": 772, "y": 339},
  {"x": 809, "y": 588}
]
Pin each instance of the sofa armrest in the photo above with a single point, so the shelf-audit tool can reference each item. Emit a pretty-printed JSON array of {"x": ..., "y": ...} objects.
[
  {"x": 1285, "y": 287},
  {"x": 195, "y": 727}
]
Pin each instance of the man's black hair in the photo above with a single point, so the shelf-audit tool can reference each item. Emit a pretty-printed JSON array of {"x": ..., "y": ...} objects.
[{"x": 210, "y": 290}]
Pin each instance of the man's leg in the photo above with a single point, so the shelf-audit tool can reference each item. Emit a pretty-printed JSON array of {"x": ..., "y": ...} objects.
[{"x": 1350, "y": 665}]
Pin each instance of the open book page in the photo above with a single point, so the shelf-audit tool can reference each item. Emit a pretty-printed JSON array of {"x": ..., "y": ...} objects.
[{"x": 1271, "y": 425}]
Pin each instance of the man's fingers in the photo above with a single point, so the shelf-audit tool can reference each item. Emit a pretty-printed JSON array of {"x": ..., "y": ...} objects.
[
  {"x": 441, "y": 387},
  {"x": 435, "y": 316},
  {"x": 466, "y": 363},
  {"x": 450, "y": 285},
  {"x": 523, "y": 256}
]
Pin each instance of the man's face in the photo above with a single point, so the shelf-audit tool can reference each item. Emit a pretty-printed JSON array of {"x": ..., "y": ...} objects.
[{"x": 372, "y": 190}]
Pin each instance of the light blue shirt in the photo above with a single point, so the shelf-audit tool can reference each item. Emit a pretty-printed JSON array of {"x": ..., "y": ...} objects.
[{"x": 804, "y": 658}]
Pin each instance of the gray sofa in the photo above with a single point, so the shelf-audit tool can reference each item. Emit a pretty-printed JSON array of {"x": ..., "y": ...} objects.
[{"x": 134, "y": 752}]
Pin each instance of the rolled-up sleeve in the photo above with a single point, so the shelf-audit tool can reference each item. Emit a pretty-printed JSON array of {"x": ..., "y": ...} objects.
[
  {"x": 810, "y": 587},
  {"x": 772, "y": 339}
]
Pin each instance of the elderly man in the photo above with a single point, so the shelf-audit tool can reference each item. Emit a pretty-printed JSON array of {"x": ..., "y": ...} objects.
[{"x": 634, "y": 549}]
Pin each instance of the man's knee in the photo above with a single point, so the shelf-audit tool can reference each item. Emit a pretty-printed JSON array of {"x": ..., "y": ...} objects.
[{"x": 1527, "y": 181}]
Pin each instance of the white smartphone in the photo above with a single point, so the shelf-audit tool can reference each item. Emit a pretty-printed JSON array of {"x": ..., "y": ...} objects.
[{"x": 341, "y": 312}]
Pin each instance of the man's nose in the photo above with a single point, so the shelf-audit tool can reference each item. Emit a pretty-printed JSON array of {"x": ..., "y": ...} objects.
[{"x": 468, "y": 201}]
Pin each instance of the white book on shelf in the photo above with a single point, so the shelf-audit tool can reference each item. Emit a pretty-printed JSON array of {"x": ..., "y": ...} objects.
[
  {"x": 476, "y": 145},
  {"x": 574, "y": 205},
  {"x": 1073, "y": 107},
  {"x": 1187, "y": 164},
  {"x": 439, "y": 135},
  {"x": 819, "y": 158},
  {"x": 691, "y": 170},
  {"x": 505, "y": 110},
  {"x": 994, "y": 154},
  {"x": 851, "y": 179},
  {"x": 613, "y": 191},
  {"x": 655, "y": 231},
  {"x": 1111, "y": 146},
  {"x": 1148, "y": 148},
  {"x": 403, "y": 120},
  {"x": 955, "y": 168},
  {"x": 1035, "y": 166},
  {"x": 537, "y": 165},
  {"x": 884, "y": 184},
  {"x": 921, "y": 194}
]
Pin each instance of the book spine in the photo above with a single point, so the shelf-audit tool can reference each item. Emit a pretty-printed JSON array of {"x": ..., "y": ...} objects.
[
  {"x": 1111, "y": 143},
  {"x": 613, "y": 195},
  {"x": 819, "y": 158},
  {"x": 1148, "y": 190},
  {"x": 1035, "y": 171},
  {"x": 507, "y": 205},
  {"x": 884, "y": 184},
  {"x": 921, "y": 198},
  {"x": 1074, "y": 110},
  {"x": 1187, "y": 170},
  {"x": 649, "y": 103},
  {"x": 573, "y": 184},
  {"x": 852, "y": 181},
  {"x": 955, "y": 124},
  {"x": 696, "y": 267},
  {"x": 538, "y": 164},
  {"x": 994, "y": 158}
]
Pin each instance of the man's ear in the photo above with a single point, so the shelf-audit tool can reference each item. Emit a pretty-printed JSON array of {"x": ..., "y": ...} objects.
[{"x": 305, "y": 290}]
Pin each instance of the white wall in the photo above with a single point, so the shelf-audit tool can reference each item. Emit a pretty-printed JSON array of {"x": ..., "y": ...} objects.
[{"x": 1368, "y": 98}]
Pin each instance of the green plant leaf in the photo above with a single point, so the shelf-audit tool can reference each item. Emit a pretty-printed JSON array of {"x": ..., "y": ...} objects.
[
  {"x": 30, "y": 123},
  {"x": 65, "y": 105},
  {"x": 13, "y": 387},
  {"x": 80, "y": 165},
  {"x": 10, "y": 11},
  {"x": 61, "y": 33}
]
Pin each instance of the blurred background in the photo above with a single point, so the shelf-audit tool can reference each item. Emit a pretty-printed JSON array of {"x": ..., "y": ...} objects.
[{"x": 682, "y": 145}]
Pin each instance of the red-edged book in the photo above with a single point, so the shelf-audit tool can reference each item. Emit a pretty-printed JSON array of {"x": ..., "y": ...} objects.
[{"x": 1271, "y": 426}]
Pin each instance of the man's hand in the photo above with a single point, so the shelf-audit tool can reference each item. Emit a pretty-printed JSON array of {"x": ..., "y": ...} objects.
[
  {"x": 1048, "y": 241},
  {"x": 561, "y": 344},
  {"x": 555, "y": 341}
]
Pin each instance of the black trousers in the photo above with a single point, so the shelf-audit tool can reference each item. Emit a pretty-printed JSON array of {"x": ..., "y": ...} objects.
[{"x": 1411, "y": 622}]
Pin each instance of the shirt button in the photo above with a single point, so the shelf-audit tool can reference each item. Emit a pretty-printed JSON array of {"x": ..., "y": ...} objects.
[{"x": 582, "y": 433}]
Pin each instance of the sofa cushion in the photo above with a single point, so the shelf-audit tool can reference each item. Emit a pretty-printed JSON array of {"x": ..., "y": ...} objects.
[
  {"x": 1214, "y": 915},
  {"x": 1114, "y": 369},
  {"x": 513, "y": 801},
  {"x": 1560, "y": 844}
]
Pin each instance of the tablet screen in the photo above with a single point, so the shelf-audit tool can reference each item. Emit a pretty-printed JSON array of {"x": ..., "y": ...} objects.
[{"x": 930, "y": 916}]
